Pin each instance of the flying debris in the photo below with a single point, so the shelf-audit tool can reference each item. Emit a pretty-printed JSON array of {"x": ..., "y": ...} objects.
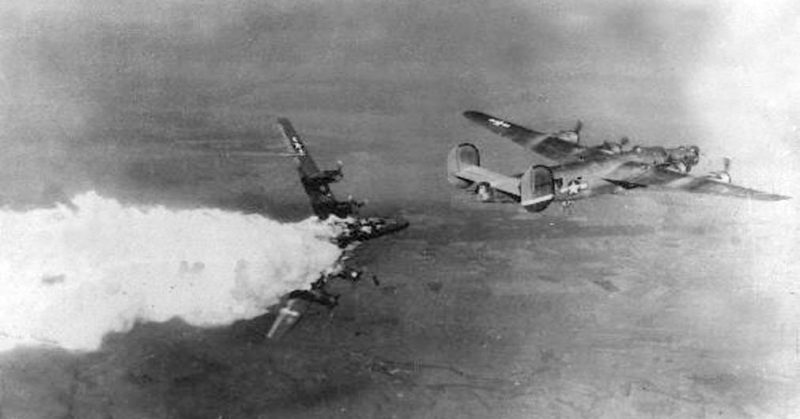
[
  {"x": 356, "y": 230},
  {"x": 296, "y": 303},
  {"x": 353, "y": 229},
  {"x": 583, "y": 171}
]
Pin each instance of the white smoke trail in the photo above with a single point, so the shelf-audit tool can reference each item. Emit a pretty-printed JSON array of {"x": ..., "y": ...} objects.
[{"x": 69, "y": 277}]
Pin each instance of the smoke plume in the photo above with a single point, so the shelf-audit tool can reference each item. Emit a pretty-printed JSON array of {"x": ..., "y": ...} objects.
[{"x": 70, "y": 275}]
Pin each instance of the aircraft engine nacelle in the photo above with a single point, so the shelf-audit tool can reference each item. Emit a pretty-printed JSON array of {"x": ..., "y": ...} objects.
[
  {"x": 573, "y": 136},
  {"x": 461, "y": 156},
  {"x": 723, "y": 175},
  {"x": 536, "y": 188},
  {"x": 569, "y": 136}
]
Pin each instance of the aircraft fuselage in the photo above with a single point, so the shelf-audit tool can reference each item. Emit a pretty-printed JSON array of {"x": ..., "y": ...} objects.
[{"x": 585, "y": 178}]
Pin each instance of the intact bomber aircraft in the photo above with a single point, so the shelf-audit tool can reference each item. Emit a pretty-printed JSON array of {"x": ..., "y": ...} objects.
[
  {"x": 353, "y": 229},
  {"x": 583, "y": 171}
]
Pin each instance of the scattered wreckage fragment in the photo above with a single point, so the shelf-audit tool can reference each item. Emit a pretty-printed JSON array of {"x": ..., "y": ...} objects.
[{"x": 297, "y": 302}]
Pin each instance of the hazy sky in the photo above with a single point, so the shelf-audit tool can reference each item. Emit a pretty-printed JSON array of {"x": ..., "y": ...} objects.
[{"x": 380, "y": 85}]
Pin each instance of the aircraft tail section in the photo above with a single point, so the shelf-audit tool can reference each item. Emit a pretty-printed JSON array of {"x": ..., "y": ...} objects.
[
  {"x": 461, "y": 157},
  {"x": 536, "y": 188},
  {"x": 287, "y": 317}
]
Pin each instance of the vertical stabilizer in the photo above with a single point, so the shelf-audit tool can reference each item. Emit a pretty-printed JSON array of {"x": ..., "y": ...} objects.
[{"x": 536, "y": 188}]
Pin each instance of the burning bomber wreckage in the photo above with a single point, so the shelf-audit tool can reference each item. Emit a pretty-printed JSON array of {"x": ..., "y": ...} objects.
[{"x": 354, "y": 229}]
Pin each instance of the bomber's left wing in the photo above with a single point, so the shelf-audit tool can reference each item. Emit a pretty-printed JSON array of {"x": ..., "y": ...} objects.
[
  {"x": 662, "y": 177},
  {"x": 546, "y": 144},
  {"x": 497, "y": 181}
]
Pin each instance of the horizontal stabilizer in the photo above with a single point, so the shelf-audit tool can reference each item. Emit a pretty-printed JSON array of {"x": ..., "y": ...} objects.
[{"x": 500, "y": 182}]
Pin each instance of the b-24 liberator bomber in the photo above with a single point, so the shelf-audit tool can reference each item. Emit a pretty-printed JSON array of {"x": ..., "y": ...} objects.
[{"x": 582, "y": 171}]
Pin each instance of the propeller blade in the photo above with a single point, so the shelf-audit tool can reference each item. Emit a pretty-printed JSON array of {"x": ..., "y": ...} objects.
[
  {"x": 726, "y": 163},
  {"x": 578, "y": 127}
]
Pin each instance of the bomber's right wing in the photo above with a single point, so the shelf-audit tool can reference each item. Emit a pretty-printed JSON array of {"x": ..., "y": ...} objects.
[
  {"x": 477, "y": 174},
  {"x": 545, "y": 144},
  {"x": 670, "y": 179}
]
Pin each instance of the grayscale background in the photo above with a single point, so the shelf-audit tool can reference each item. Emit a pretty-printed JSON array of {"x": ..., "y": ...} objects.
[{"x": 643, "y": 305}]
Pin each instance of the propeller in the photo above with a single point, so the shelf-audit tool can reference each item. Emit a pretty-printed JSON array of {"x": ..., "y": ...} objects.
[
  {"x": 624, "y": 141},
  {"x": 726, "y": 165}
]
